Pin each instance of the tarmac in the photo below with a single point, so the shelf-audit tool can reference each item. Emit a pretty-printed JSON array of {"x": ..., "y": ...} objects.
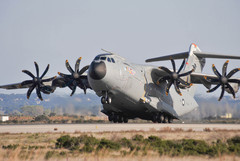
[{"x": 111, "y": 127}]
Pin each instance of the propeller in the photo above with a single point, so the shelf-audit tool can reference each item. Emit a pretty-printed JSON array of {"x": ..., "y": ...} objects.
[
  {"x": 223, "y": 80},
  {"x": 74, "y": 79},
  {"x": 174, "y": 78},
  {"x": 36, "y": 82}
]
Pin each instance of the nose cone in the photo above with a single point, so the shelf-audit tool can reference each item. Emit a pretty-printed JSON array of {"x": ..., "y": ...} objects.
[{"x": 97, "y": 70}]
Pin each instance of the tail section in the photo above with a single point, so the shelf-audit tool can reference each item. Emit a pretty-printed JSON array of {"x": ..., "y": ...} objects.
[{"x": 194, "y": 62}]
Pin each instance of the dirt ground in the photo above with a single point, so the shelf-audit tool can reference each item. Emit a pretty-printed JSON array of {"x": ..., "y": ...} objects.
[{"x": 40, "y": 146}]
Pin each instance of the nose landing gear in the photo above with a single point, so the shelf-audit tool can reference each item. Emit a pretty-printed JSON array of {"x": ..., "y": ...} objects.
[{"x": 106, "y": 99}]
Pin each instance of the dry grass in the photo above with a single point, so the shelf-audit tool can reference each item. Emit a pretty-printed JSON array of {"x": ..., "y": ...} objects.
[{"x": 36, "y": 146}]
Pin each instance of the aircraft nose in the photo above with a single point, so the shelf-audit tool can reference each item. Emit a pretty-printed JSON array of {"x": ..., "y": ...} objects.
[{"x": 97, "y": 70}]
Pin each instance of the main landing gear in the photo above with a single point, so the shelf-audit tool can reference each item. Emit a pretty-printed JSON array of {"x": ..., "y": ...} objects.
[
  {"x": 117, "y": 118},
  {"x": 161, "y": 118}
]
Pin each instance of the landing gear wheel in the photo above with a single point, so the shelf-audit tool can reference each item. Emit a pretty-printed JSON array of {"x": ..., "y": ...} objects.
[
  {"x": 154, "y": 118},
  {"x": 170, "y": 119},
  {"x": 165, "y": 119},
  {"x": 103, "y": 100},
  {"x": 109, "y": 100},
  {"x": 115, "y": 118},
  {"x": 120, "y": 119},
  {"x": 125, "y": 119},
  {"x": 160, "y": 118},
  {"x": 110, "y": 118}
]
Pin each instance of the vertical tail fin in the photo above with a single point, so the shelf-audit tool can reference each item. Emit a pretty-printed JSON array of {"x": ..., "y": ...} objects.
[{"x": 194, "y": 62}]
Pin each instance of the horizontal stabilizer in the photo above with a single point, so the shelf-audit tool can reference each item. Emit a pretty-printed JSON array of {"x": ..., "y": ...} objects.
[
  {"x": 168, "y": 57},
  {"x": 211, "y": 55},
  {"x": 198, "y": 54}
]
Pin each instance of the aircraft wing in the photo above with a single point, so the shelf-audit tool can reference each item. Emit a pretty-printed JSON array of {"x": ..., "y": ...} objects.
[
  {"x": 57, "y": 82},
  {"x": 67, "y": 82},
  {"x": 195, "y": 78},
  {"x": 15, "y": 86},
  {"x": 205, "y": 79}
]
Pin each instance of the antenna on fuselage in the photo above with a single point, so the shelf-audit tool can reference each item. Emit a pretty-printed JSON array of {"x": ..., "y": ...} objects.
[{"x": 108, "y": 51}]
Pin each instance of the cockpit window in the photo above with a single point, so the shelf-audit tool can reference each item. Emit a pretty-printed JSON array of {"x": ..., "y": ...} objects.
[
  {"x": 109, "y": 60},
  {"x": 97, "y": 58},
  {"x": 103, "y": 58},
  {"x": 113, "y": 60}
]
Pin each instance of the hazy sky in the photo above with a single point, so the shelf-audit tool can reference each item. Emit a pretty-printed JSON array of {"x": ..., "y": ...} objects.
[{"x": 51, "y": 31}]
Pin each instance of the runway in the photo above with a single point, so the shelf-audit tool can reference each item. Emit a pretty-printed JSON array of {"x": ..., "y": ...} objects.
[{"x": 71, "y": 128}]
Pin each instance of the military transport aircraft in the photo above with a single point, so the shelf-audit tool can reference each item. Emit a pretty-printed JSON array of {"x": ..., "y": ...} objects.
[{"x": 131, "y": 91}]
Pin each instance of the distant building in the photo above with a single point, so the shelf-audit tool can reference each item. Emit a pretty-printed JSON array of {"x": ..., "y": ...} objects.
[
  {"x": 227, "y": 116},
  {"x": 4, "y": 118}
]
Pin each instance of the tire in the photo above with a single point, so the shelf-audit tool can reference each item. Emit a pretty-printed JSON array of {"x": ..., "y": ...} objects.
[
  {"x": 154, "y": 118},
  {"x": 125, "y": 119},
  {"x": 103, "y": 100},
  {"x": 120, "y": 119},
  {"x": 160, "y": 118},
  {"x": 170, "y": 119},
  {"x": 110, "y": 118},
  {"x": 165, "y": 119},
  {"x": 109, "y": 100},
  {"x": 115, "y": 118}
]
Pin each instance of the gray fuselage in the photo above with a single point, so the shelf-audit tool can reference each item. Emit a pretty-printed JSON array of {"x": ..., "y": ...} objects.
[{"x": 132, "y": 89}]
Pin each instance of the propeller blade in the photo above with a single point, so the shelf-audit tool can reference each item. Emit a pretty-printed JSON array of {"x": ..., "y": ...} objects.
[
  {"x": 177, "y": 88},
  {"x": 77, "y": 64},
  {"x": 213, "y": 89},
  {"x": 224, "y": 68},
  {"x": 45, "y": 72},
  {"x": 74, "y": 88},
  {"x": 216, "y": 71},
  {"x": 28, "y": 73},
  {"x": 168, "y": 86},
  {"x": 181, "y": 67},
  {"x": 84, "y": 69},
  {"x": 234, "y": 81},
  {"x": 27, "y": 82},
  {"x": 165, "y": 69},
  {"x": 222, "y": 93},
  {"x": 49, "y": 79},
  {"x": 162, "y": 79},
  {"x": 174, "y": 65},
  {"x": 233, "y": 72},
  {"x": 39, "y": 93},
  {"x": 231, "y": 89},
  {"x": 30, "y": 91},
  {"x": 70, "y": 84},
  {"x": 187, "y": 73},
  {"x": 84, "y": 89},
  {"x": 184, "y": 82},
  {"x": 64, "y": 75},
  {"x": 37, "y": 69},
  {"x": 69, "y": 67}
]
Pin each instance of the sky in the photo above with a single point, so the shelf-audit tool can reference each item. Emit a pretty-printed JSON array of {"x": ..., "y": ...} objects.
[{"x": 51, "y": 31}]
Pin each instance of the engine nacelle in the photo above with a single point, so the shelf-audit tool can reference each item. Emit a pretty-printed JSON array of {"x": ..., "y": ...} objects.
[{"x": 235, "y": 87}]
